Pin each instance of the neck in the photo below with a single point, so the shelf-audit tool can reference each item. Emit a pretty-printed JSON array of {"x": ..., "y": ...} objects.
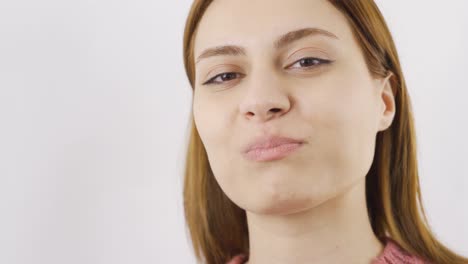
[{"x": 335, "y": 231}]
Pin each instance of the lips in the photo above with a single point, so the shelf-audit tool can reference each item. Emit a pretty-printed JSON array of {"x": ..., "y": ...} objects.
[{"x": 271, "y": 148}]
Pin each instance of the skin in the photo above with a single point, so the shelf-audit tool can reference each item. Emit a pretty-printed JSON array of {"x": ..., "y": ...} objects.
[{"x": 310, "y": 206}]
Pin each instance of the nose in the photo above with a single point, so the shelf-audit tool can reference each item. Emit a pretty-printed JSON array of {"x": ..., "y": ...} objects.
[{"x": 265, "y": 99}]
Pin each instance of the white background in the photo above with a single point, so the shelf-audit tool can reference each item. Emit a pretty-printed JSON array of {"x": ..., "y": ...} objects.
[{"x": 94, "y": 107}]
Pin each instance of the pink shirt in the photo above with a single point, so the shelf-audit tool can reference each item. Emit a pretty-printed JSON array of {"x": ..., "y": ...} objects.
[{"x": 391, "y": 254}]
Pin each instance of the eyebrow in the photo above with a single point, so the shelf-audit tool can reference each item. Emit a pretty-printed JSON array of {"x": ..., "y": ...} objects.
[{"x": 281, "y": 42}]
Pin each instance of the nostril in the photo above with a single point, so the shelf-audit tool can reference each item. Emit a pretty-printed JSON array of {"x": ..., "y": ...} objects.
[{"x": 275, "y": 110}]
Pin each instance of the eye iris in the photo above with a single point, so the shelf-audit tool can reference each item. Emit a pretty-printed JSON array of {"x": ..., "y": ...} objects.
[
  {"x": 228, "y": 76},
  {"x": 308, "y": 61}
]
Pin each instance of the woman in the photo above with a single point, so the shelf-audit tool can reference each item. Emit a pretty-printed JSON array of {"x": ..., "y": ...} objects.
[{"x": 302, "y": 146}]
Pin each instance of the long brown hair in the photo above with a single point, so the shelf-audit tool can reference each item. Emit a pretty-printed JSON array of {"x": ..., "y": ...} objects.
[{"x": 218, "y": 227}]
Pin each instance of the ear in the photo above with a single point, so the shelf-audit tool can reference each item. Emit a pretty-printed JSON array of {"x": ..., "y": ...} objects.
[{"x": 386, "y": 103}]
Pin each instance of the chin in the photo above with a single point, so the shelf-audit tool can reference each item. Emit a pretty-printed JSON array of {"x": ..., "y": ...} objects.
[{"x": 281, "y": 205}]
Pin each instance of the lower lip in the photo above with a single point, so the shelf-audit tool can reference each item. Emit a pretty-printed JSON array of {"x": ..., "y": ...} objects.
[{"x": 275, "y": 153}]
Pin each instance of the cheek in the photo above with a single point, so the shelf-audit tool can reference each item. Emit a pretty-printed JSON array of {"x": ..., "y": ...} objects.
[
  {"x": 214, "y": 116},
  {"x": 215, "y": 134},
  {"x": 340, "y": 111},
  {"x": 347, "y": 98},
  {"x": 355, "y": 124},
  {"x": 207, "y": 121}
]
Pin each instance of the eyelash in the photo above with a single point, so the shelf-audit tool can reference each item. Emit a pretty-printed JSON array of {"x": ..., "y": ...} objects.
[{"x": 321, "y": 63}]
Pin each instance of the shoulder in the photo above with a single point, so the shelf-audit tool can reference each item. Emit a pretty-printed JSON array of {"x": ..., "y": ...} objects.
[
  {"x": 393, "y": 253},
  {"x": 237, "y": 259}
]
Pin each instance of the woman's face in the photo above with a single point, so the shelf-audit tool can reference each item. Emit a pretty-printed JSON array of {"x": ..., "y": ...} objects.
[{"x": 313, "y": 85}]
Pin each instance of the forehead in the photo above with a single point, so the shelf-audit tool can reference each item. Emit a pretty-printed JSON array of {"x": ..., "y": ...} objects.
[{"x": 259, "y": 22}]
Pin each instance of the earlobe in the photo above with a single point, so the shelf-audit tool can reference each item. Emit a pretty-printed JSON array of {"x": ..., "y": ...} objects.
[{"x": 388, "y": 103}]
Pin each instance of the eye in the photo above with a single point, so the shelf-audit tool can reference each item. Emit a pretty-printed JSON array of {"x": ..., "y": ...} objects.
[
  {"x": 224, "y": 77},
  {"x": 308, "y": 62},
  {"x": 311, "y": 62}
]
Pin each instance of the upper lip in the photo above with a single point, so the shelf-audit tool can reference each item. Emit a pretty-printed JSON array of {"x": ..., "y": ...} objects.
[{"x": 270, "y": 142}]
